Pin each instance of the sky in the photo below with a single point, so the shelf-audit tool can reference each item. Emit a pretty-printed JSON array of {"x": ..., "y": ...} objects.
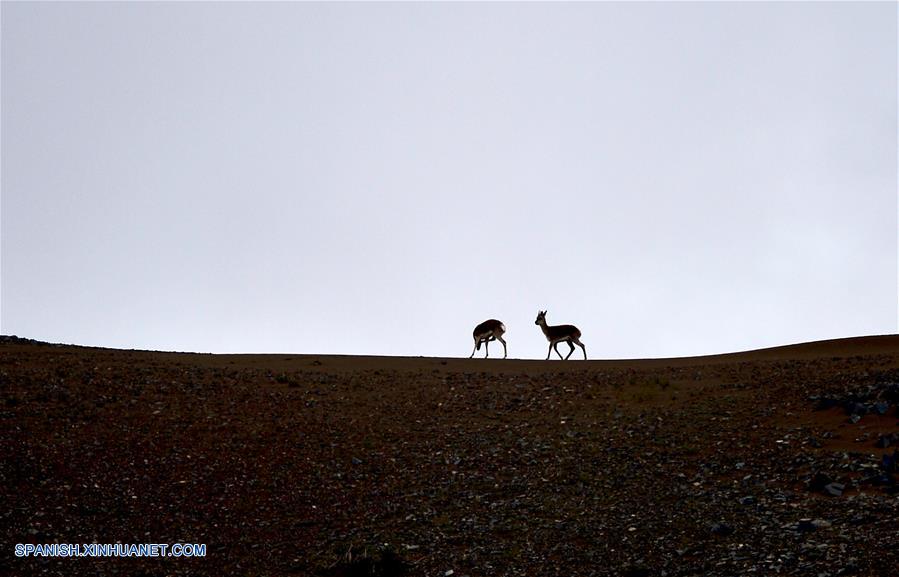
[{"x": 364, "y": 178}]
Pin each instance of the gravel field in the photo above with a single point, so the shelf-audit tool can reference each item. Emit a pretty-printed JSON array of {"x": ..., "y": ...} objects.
[{"x": 774, "y": 462}]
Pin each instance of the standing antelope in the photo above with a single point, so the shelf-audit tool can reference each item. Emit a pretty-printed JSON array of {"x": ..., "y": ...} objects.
[
  {"x": 490, "y": 330},
  {"x": 560, "y": 333}
]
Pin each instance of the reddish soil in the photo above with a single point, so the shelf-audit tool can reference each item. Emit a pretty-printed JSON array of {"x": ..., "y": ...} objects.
[{"x": 336, "y": 465}]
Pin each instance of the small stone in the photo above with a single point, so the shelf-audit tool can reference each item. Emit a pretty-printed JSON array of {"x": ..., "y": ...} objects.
[
  {"x": 892, "y": 392},
  {"x": 748, "y": 500},
  {"x": 805, "y": 526},
  {"x": 721, "y": 529},
  {"x": 857, "y": 409},
  {"x": 888, "y": 462},
  {"x": 819, "y": 481},
  {"x": 834, "y": 489}
]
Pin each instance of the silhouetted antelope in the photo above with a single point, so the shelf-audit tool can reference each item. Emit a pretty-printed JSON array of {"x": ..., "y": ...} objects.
[
  {"x": 491, "y": 330},
  {"x": 560, "y": 333}
]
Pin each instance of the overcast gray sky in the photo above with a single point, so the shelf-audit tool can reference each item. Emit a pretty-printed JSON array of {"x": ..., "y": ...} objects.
[{"x": 674, "y": 179}]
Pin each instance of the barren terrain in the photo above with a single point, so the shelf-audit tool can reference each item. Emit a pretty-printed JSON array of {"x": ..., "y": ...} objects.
[{"x": 781, "y": 461}]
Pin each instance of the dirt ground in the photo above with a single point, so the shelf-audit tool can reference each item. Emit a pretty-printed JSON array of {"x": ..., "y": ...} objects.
[{"x": 772, "y": 462}]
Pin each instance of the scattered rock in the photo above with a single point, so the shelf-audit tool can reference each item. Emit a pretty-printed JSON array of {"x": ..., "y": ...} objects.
[
  {"x": 819, "y": 481},
  {"x": 835, "y": 489},
  {"x": 856, "y": 409},
  {"x": 721, "y": 529},
  {"x": 805, "y": 526},
  {"x": 885, "y": 441},
  {"x": 492, "y": 483}
]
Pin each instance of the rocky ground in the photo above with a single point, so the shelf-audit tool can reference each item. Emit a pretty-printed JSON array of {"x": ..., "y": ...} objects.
[{"x": 778, "y": 462}]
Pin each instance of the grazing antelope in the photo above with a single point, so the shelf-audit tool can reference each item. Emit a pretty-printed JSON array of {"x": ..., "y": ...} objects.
[
  {"x": 491, "y": 330},
  {"x": 560, "y": 333}
]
